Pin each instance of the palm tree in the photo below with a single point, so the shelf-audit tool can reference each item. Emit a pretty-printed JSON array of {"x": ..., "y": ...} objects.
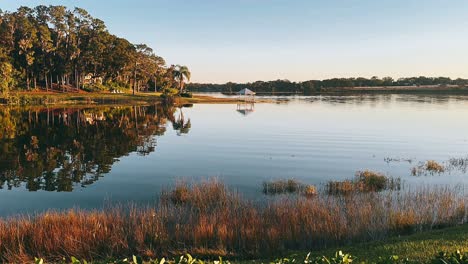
[{"x": 181, "y": 73}]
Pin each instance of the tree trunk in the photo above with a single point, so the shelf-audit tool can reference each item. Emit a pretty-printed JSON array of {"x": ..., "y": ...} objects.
[
  {"x": 46, "y": 82},
  {"x": 27, "y": 79},
  {"x": 134, "y": 79},
  {"x": 63, "y": 83},
  {"x": 77, "y": 81},
  {"x": 155, "y": 87}
]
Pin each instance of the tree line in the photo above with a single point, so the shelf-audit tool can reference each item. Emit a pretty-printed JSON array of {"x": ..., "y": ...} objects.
[
  {"x": 52, "y": 47},
  {"x": 313, "y": 86}
]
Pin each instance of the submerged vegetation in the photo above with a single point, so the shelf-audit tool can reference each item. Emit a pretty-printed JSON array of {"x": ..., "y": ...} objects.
[{"x": 208, "y": 219}]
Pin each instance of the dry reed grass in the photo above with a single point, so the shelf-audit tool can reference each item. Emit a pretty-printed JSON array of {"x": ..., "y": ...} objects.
[
  {"x": 430, "y": 166},
  {"x": 209, "y": 219},
  {"x": 290, "y": 186},
  {"x": 282, "y": 186},
  {"x": 364, "y": 181}
]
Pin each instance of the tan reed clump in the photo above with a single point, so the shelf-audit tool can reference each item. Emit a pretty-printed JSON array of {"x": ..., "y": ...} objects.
[
  {"x": 282, "y": 186},
  {"x": 430, "y": 166},
  {"x": 364, "y": 181}
]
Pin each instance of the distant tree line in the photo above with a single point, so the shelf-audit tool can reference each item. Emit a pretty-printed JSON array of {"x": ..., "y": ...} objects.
[
  {"x": 312, "y": 86},
  {"x": 52, "y": 47}
]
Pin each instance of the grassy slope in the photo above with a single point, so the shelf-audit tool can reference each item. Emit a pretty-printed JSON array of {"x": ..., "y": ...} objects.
[
  {"x": 139, "y": 98},
  {"x": 419, "y": 247}
]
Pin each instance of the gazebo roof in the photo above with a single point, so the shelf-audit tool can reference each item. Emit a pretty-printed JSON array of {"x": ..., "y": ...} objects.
[{"x": 246, "y": 91}]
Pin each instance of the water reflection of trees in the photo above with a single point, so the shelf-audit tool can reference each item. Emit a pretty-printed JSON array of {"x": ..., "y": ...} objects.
[
  {"x": 59, "y": 149},
  {"x": 180, "y": 123}
]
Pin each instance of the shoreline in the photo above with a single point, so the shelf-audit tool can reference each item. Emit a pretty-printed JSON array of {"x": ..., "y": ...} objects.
[
  {"x": 54, "y": 99},
  {"x": 34, "y": 98},
  {"x": 429, "y": 89}
]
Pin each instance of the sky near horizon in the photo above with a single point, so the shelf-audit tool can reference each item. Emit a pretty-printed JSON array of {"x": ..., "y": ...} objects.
[{"x": 250, "y": 40}]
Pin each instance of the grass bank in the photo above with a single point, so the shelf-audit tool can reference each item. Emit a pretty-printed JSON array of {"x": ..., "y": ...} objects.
[
  {"x": 419, "y": 247},
  {"x": 207, "y": 219},
  {"x": 447, "y": 246},
  {"x": 85, "y": 98}
]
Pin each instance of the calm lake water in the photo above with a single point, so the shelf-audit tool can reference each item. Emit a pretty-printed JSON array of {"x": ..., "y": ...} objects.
[{"x": 87, "y": 157}]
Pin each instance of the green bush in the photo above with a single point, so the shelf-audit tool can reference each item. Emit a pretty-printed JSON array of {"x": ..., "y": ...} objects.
[
  {"x": 118, "y": 86},
  {"x": 186, "y": 95},
  {"x": 169, "y": 92},
  {"x": 95, "y": 88}
]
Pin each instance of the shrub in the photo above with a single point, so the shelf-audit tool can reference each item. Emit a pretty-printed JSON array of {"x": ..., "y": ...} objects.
[
  {"x": 169, "y": 92},
  {"x": 96, "y": 87},
  {"x": 186, "y": 94}
]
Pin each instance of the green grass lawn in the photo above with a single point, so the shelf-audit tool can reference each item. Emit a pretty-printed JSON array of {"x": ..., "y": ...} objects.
[
  {"x": 421, "y": 247},
  {"x": 85, "y": 98}
]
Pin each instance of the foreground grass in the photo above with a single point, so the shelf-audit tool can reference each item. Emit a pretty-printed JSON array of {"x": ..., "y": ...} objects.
[
  {"x": 420, "y": 247},
  {"x": 417, "y": 248},
  {"x": 208, "y": 220}
]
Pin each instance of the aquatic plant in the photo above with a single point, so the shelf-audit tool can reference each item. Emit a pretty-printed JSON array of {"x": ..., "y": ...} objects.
[
  {"x": 433, "y": 166},
  {"x": 290, "y": 186},
  {"x": 430, "y": 166},
  {"x": 364, "y": 181},
  {"x": 310, "y": 191},
  {"x": 282, "y": 186},
  {"x": 459, "y": 163}
]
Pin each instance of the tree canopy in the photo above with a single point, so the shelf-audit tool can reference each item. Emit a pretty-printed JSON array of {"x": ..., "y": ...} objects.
[{"x": 52, "y": 47}]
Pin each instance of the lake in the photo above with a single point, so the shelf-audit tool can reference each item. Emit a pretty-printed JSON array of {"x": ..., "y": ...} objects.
[{"x": 88, "y": 157}]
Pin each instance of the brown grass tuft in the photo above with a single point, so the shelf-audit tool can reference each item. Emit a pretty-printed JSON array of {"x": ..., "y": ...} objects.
[
  {"x": 433, "y": 166},
  {"x": 364, "y": 181},
  {"x": 282, "y": 186},
  {"x": 430, "y": 166},
  {"x": 310, "y": 191}
]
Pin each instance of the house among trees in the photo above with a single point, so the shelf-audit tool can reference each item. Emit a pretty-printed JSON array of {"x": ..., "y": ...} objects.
[{"x": 91, "y": 79}]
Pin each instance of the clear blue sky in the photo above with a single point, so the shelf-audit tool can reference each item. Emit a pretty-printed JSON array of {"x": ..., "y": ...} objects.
[{"x": 249, "y": 40}]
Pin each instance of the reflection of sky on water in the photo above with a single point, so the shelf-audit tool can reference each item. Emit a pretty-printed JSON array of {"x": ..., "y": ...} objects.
[{"x": 312, "y": 139}]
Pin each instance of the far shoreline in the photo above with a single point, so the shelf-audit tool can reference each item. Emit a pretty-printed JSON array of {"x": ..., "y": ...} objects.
[{"x": 34, "y": 98}]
